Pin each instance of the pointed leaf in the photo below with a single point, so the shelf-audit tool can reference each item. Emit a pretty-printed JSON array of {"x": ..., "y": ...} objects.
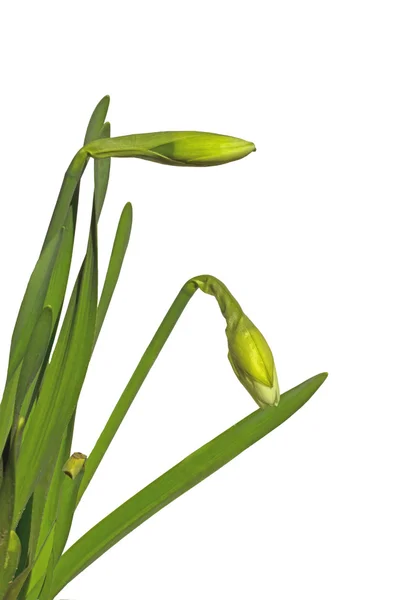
[
  {"x": 7, "y": 408},
  {"x": 33, "y": 302},
  {"x": 16, "y": 586},
  {"x": 34, "y": 356},
  {"x": 115, "y": 264},
  {"x": 101, "y": 173},
  {"x": 75, "y": 171},
  {"x": 97, "y": 119},
  {"x": 175, "y": 482},
  {"x": 63, "y": 379},
  {"x": 68, "y": 496}
]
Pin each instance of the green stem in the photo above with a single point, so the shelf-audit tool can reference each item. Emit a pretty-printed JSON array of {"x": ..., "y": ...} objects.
[{"x": 229, "y": 306}]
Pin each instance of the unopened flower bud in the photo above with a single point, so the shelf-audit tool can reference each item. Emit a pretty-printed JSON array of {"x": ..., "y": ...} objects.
[
  {"x": 248, "y": 352},
  {"x": 252, "y": 361},
  {"x": 181, "y": 148}
]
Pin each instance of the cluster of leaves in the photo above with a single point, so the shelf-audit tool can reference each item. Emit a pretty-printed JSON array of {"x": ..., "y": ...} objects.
[{"x": 40, "y": 484}]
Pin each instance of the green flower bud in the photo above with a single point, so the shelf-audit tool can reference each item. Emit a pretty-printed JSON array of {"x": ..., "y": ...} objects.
[
  {"x": 180, "y": 148},
  {"x": 252, "y": 361},
  {"x": 248, "y": 352}
]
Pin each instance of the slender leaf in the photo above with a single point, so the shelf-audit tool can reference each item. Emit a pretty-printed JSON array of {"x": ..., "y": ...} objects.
[
  {"x": 175, "y": 482},
  {"x": 96, "y": 129},
  {"x": 63, "y": 379},
  {"x": 23, "y": 532},
  {"x": 55, "y": 293},
  {"x": 14, "y": 588},
  {"x": 46, "y": 502},
  {"x": 101, "y": 173},
  {"x": 34, "y": 356},
  {"x": 29, "y": 313},
  {"x": 55, "y": 296},
  {"x": 9, "y": 540},
  {"x": 46, "y": 496},
  {"x": 75, "y": 171},
  {"x": 33, "y": 301},
  {"x": 134, "y": 384},
  {"x": 8, "y": 568},
  {"x": 48, "y": 580},
  {"x": 68, "y": 496},
  {"x": 120, "y": 245},
  {"x": 97, "y": 119},
  {"x": 7, "y": 408}
]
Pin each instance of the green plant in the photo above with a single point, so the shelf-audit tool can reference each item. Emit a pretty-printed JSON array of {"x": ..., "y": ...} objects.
[{"x": 40, "y": 483}]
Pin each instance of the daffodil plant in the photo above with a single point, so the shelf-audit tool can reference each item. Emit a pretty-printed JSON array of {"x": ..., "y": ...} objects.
[{"x": 41, "y": 482}]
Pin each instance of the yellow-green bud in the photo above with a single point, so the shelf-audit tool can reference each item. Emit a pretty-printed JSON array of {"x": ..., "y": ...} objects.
[
  {"x": 252, "y": 361},
  {"x": 180, "y": 148},
  {"x": 248, "y": 352},
  {"x": 74, "y": 464}
]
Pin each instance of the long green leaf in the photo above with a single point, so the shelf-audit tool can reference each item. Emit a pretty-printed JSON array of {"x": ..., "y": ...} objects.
[
  {"x": 16, "y": 589},
  {"x": 45, "y": 509},
  {"x": 134, "y": 384},
  {"x": 75, "y": 171},
  {"x": 46, "y": 496},
  {"x": 101, "y": 173},
  {"x": 68, "y": 495},
  {"x": 7, "y": 408},
  {"x": 28, "y": 528},
  {"x": 63, "y": 379},
  {"x": 33, "y": 301},
  {"x": 175, "y": 482},
  {"x": 96, "y": 129},
  {"x": 9, "y": 540},
  {"x": 120, "y": 245},
  {"x": 34, "y": 356},
  {"x": 16, "y": 586},
  {"x": 97, "y": 119},
  {"x": 29, "y": 313}
]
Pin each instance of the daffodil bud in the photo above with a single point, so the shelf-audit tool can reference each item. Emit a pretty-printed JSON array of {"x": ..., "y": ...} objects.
[
  {"x": 252, "y": 361},
  {"x": 248, "y": 352},
  {"x": 180, "y": 148}
]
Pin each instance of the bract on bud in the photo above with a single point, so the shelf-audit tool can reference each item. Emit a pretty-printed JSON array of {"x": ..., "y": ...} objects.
[
  {"x": 252, "y": 361},
  {"x": 180, "y": 148}
]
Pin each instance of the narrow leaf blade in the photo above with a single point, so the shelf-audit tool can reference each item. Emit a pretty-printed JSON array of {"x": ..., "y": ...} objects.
[
  {"x": 64, "y": 377},
  {"x": 101, "y": 173},
  {"x": 33, "y": 302},
  {"x": 34, "y": 356},
  {"x": 175, "y": 482},
  {"x": 97, "y": 120},
  {"x": 120, "y": 246}
]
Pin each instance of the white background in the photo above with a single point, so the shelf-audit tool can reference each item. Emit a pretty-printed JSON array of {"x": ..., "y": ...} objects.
[{"x": 304, "y": 232}]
